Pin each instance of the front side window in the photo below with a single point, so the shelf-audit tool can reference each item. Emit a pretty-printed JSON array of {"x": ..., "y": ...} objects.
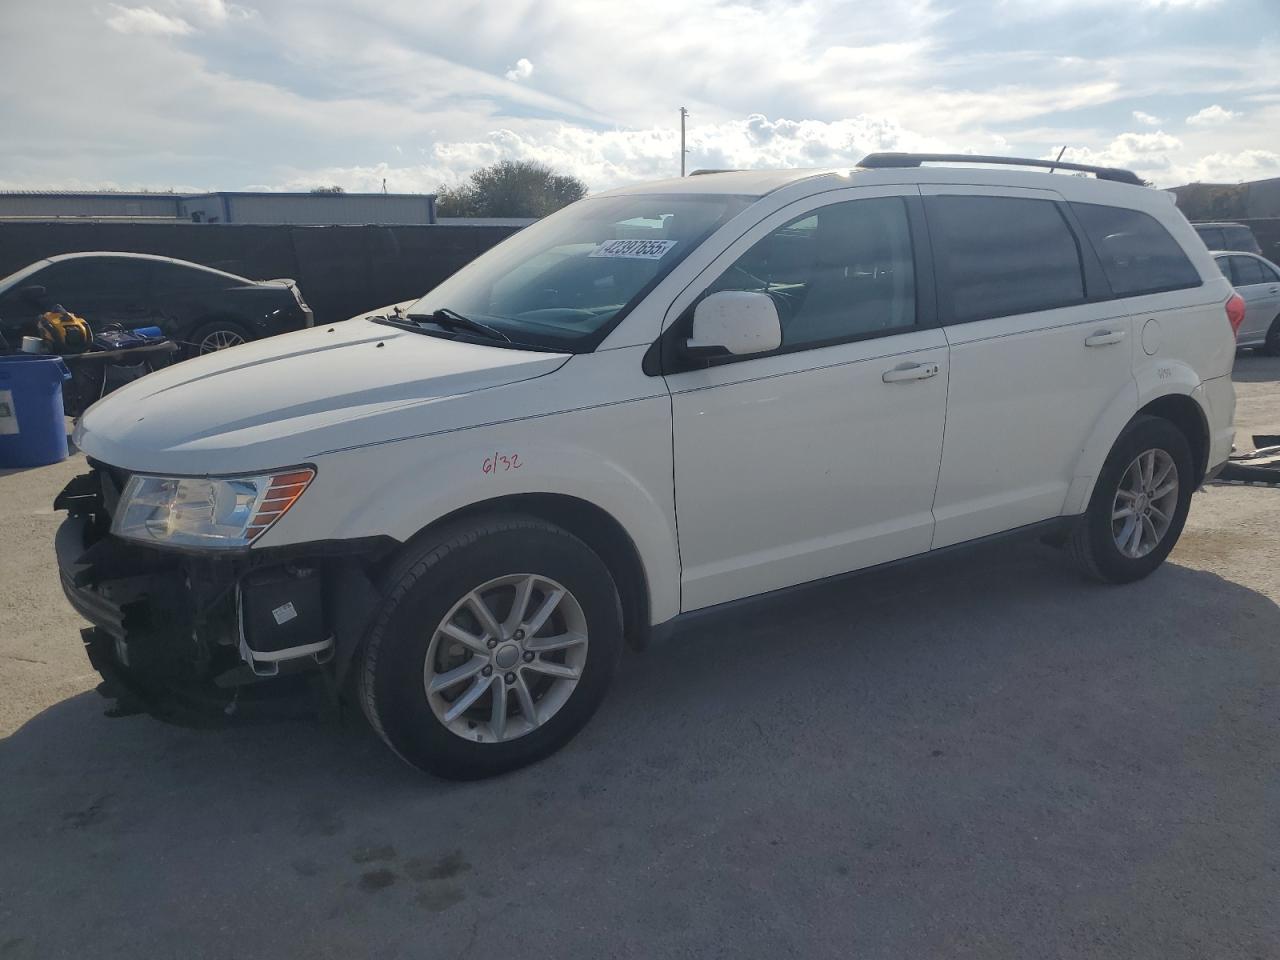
[
  {"x": 844, "y": 272},
  {"x": 1138, "y": 254},
  {"x": 563, "y": 282},
  {"x": 1004, "y": 255}
]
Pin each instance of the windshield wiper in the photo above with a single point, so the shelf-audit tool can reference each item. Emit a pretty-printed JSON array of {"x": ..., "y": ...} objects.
[{"x": 451, "y": 319}]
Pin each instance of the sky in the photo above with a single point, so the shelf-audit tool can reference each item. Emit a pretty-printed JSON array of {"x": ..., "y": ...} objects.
[{"x": 293, "y": 94}]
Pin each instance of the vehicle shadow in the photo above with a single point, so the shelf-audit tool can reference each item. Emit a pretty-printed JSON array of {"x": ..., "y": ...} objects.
[
  {"x": 1254, "y": 366},
  {"x": 983, "y": 722}
]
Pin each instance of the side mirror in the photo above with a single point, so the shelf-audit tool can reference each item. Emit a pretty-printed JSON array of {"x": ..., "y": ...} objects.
[
  {"x": 33, "y": 293},
  {"x": 736, "y": 322}
]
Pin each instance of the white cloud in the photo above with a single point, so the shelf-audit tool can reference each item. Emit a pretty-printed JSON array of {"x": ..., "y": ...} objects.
[
  {"x": 146, "y": 20},
  {"x": 523, "y": 70},
  {"x": 1211, "y": 116},
  {"x": 769, "y": 82}
]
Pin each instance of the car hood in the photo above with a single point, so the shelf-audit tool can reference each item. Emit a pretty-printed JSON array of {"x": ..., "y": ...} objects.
[{"x": 284, "y": 400}]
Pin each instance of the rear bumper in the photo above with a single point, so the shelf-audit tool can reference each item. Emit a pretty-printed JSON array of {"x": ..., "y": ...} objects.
[{"x": 1220, "y": 400}]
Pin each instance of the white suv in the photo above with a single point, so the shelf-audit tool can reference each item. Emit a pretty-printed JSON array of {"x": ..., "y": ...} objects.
[{"x": 659, "y": 401}]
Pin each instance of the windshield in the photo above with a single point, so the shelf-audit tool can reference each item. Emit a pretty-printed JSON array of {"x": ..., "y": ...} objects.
[
  {"x": 15, "y": 278},
  {"x": 565, "y": 281}
]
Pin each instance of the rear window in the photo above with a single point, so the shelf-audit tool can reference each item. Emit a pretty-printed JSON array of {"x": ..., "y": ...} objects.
[
  {"x": 1240, "y": 238},
  {"x": 1138, "y": 255},
  {"x": 1004, "y": 255},
  {"x": 1213, "y": 238}
]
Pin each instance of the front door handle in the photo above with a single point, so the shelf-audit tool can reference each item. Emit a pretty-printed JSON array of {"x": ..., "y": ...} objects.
[
  {"x": 1103, "y": 338},
  {"x": 910, "y": 371}
]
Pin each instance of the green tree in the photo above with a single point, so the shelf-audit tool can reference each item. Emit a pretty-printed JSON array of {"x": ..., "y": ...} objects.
[{"x": 510, "y": 188}]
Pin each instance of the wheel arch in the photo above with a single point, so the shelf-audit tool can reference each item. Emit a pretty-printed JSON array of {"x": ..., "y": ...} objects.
[
  {"x": 219, "y": 316},
  {"x": 1181, "y": 403},
  {"x": 1187, "y": 415},
  {"x": 590, "y": 523}
]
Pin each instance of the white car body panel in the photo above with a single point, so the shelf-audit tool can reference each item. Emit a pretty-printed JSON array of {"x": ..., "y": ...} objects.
[
  {"x": 784, "y": 468},
  {"x": 283, "y": 400}
]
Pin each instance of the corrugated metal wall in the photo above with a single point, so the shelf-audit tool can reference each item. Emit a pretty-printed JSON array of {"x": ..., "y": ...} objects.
[
  {"x": 37, "y": 204},
  {"x": 267, "y": 208},
  {"x": 329, "y": 208}
]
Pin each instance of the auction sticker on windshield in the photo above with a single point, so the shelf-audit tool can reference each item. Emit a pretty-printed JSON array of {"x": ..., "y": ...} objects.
[{"x": 634, "y": 249}]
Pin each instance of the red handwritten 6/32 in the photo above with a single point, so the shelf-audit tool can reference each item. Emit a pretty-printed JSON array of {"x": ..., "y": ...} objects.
[{"x": 502, "y": 462}]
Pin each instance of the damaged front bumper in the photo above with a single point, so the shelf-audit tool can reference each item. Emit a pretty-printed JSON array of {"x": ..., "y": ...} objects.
[{"x": 193, "y": 636}]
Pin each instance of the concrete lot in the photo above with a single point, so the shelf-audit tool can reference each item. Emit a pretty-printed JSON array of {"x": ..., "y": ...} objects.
[{"x": 981, "y": 756}]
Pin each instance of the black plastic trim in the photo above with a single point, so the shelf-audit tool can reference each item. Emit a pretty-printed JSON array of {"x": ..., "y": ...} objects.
[
  {"x": 880, "y": 161},
  {"x": 669, "y": 628}
]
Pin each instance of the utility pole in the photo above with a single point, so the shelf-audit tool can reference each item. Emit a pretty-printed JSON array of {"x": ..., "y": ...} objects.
[{"x": 683, "y": 114}]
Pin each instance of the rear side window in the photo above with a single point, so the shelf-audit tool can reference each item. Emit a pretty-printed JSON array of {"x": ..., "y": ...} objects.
[
  {"x": 1138, "y": 255},
  {"x": 1004, "y": 255},
  {"x": 1246, "y": 271}
]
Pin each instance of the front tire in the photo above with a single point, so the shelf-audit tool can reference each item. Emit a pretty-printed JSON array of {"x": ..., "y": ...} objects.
[
  {"x": 496, "y": 644},
  {"x": 1139, "y": 503}
]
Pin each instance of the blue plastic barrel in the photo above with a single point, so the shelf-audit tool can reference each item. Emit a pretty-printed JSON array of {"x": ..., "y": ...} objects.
[{"x": 32, "y": 429}]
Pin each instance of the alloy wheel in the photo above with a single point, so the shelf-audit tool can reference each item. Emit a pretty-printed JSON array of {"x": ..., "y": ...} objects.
[
  {"x": 220, "y": 340},
  {"x": 506, "y": 658},
  {"x": 1145, "y": 503}
]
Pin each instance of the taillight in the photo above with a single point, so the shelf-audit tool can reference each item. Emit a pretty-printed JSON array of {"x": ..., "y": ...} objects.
[{"x": 1235, "y": 312}]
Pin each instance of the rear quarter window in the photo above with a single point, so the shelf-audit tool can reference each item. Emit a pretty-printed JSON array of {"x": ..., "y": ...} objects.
[
  {"x": 1138, "y": 255},
  {"x": 1240, "y": 238}
]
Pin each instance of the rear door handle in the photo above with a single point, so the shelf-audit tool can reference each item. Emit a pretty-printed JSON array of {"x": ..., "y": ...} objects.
[
  {"x": 910, "y": 371},
  {"x": 1103, "y": 338}
]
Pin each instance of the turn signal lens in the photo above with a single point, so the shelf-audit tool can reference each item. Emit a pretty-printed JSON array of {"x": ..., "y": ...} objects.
[
  {"x": 283, "y": 493},
  {"x": 1235, "y": 312}
]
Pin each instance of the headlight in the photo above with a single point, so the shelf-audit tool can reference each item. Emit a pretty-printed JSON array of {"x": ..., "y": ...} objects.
[{"x": 215, "y": 512}]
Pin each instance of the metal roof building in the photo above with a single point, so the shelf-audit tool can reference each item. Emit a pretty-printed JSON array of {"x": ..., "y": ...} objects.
[{"x": 222, "y": 207}]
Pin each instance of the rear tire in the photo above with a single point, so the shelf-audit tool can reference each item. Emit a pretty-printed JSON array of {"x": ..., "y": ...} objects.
[
  {"x": 1271, "y": 347},
  {"x": 429, "y": 630},
  {"x": 1113, "y": 546}
]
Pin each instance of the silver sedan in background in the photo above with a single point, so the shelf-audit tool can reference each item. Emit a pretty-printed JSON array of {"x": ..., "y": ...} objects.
[{"x": 1256, "y": 279}]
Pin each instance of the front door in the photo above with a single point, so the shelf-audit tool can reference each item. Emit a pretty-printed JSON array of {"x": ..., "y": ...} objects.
[{"x": 820, "y": 457}]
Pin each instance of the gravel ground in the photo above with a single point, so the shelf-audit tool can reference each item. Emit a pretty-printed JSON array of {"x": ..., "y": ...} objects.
[{"x": 977, "y": 756}]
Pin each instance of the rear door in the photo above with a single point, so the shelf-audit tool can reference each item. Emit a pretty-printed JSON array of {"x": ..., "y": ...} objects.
[{"x": 1033, "y": 361}]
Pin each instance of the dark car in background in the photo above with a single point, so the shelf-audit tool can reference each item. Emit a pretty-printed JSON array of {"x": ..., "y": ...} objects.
[
  {"x": 1228, "y": 236},
  {"x": 201, "y": 308}
]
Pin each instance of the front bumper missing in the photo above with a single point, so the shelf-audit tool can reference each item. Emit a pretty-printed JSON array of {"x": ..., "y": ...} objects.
[{"x": 199, "y": 637}]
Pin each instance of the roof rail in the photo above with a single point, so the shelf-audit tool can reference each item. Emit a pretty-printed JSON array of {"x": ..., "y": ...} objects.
[
  {"x": 703, "y": 173},
  {"x": 882, "y": 160}
]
